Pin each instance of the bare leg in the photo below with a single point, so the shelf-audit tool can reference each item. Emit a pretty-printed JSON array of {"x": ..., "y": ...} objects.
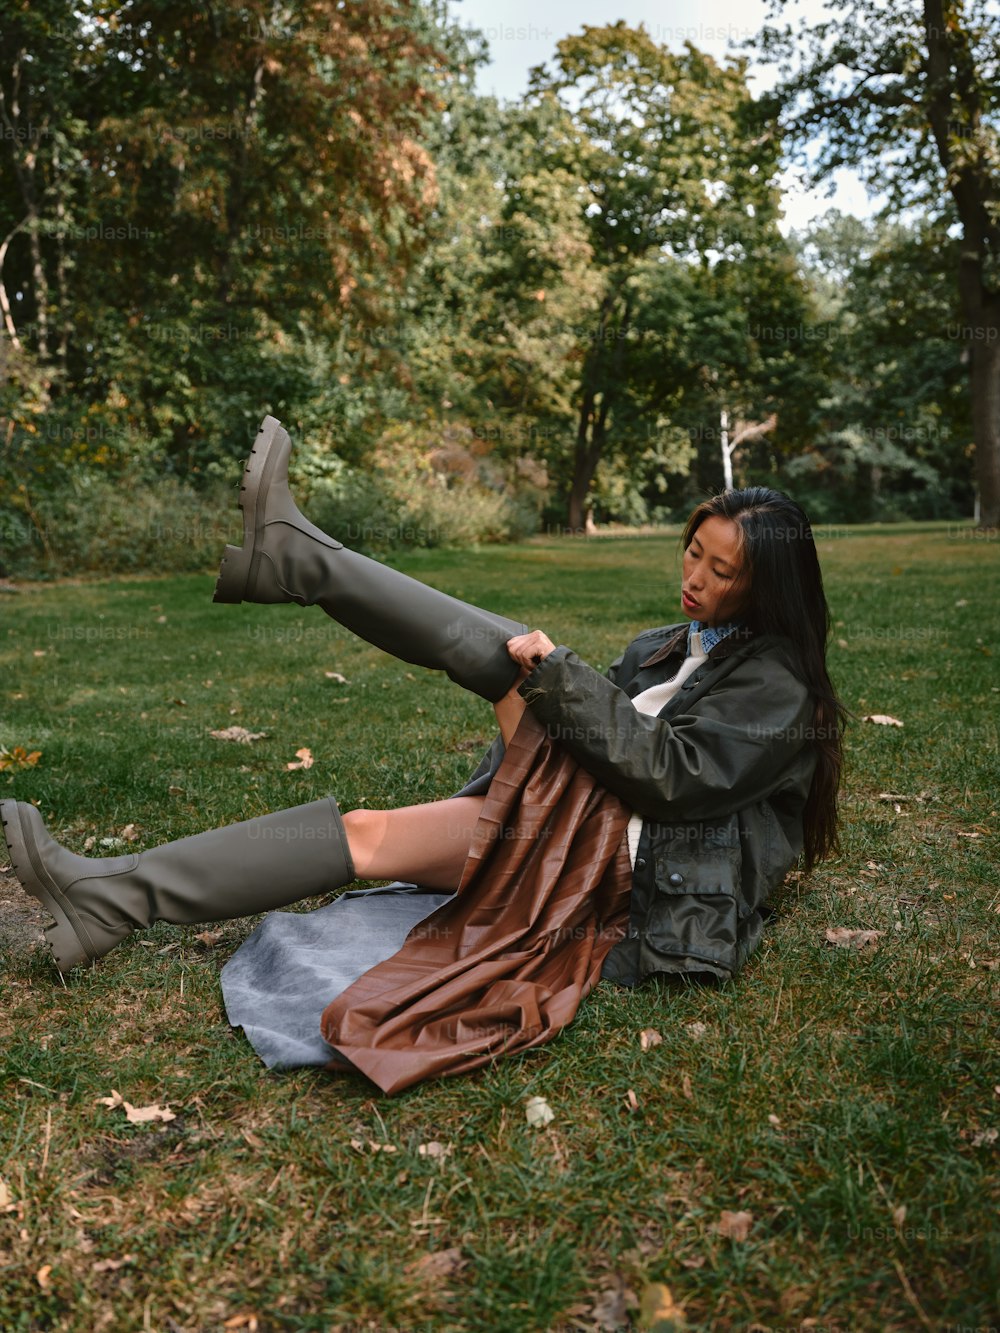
[
  {"x": 509, "y": 709},
  {"x": 428, "y": 843}
]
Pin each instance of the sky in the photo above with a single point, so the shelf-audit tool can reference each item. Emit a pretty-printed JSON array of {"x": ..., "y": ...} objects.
[{"x": 523, "y": 33}]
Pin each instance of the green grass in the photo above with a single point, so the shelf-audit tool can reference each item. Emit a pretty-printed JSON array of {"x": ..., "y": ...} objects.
[{"x": 828, "y": 1091}]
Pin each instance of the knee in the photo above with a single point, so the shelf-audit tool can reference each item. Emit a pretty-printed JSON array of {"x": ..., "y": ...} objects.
[{"x": 365, "y": 831}]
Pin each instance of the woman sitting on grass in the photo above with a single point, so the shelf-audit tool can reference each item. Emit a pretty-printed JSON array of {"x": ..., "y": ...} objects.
[{"x": 621, "y": 826}]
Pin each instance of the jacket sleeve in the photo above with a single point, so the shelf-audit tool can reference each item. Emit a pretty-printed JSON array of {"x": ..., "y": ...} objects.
[{"x": 731, "y": 747}]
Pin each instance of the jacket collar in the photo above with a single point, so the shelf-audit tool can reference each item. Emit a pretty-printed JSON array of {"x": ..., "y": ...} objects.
[{"x": 677, "y": 643}]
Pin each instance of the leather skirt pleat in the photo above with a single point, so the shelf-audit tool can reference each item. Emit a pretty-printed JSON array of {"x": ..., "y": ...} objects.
[{"x": 504, "y": 964}]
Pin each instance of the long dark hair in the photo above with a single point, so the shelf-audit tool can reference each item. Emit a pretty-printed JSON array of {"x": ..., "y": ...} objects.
[{"x": 785, "y": 597}]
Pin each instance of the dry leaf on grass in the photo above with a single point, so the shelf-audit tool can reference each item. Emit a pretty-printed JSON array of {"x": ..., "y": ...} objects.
[
  {"x": 438, "y": 1264},
  {"x": 696, "y": 1030},
  {"x": 112, "y": 1265},
  {"x": 335, "y": 675},
  {"x": 648, "y": 1038},
  {"x": 658, "y": 1311},
  {"x": 882, "y": 719},
  {"x": 248, "y": 1321},
  {"x": 18, "y": 757},
  {"x": 631, "y": 1100},
  {"x": 538, "y": 1112},
  {"x": 304, "y": 757},
  {"x": 239, "y": 734},
  {"x": 5, "y": 1204},
  {"x": 980, "y": 1138},
  {"x": 435, "y": 1149},
  {"x": 44, "y": 1277},
  {"x": 137, "y": 1115},
  {"x": 610, "y": 1309},
  {"x": 735, "y": 1225},
  {"x": 209, "y": 937},
  {"x": 843, "y": 937}
]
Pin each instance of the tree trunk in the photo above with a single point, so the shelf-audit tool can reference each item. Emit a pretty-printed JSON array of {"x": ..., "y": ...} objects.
[
  {"x": 984, "y": 379},
  {"x": 586, "y": 457},
  {"x": 952, "y": 101}
]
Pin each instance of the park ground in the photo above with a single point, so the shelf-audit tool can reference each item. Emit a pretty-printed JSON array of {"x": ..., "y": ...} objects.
[{"x": 813, "y": 1146}]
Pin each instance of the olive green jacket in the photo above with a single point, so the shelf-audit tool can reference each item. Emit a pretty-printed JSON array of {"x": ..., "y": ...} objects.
[{"x": 720, "y": 778}]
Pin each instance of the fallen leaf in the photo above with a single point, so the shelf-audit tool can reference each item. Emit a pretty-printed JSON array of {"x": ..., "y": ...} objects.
[
  {"x": 631, "y": 1100},
  {"x": 18, "y": 757},
  {"x": 130, "y": 833},
  {"x": 843, "y": 937},
  {"x": 648, "y": 1038},
  {"x": 696, "y": 1030},
  {"x": 5, "y": 1202},
  {"x": 735, "y": 1225},
  {"x": 772, "y": 1119},
  {"x": 112, "y": 1265},
  {"x": 610, "y": 1309},
  {"x": 304, "y": 757},
  {"x": 899, "y": 1216},
  {"x": 248, "y": 1321},
  {"x": 43, "y": 1277},
  {"x": 239, "y": 734},
  {"x": 538, "y": 1112},
  {"x": 335, "y": 675},
  {"x": 438, "y": 1264},
  {"x": 434, "y": 1149},
  {"x": 686, "y": 1087},
  {"x": 984, "y": 1138},
  {"x": 137, "y": 1115},
  {"x": 209, "y": 937},
  {"x": 882, "y": 719},
  {"x": 658, "y": 1311}
]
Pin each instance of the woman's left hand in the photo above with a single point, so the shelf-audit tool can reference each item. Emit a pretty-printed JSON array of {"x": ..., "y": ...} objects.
[{"x": 530, "y": 649}]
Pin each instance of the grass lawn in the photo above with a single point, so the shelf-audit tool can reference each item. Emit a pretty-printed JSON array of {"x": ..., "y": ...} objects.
[{"x": 848, "y": 1100}]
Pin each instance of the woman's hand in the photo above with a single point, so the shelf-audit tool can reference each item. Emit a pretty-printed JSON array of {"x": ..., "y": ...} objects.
[{"x": 530, "y": 649}]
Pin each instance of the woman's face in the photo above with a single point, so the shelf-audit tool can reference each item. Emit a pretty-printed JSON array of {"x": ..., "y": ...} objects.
[{"x": 712, "y": 587}]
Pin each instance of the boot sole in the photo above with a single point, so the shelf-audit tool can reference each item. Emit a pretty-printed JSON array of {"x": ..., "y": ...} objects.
[
  {"x": 67, "y": 941},
  {"x": 237, "y": 564}
]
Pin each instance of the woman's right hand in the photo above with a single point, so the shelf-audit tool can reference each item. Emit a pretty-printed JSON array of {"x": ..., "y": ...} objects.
[{"x": 530, "y": 649}]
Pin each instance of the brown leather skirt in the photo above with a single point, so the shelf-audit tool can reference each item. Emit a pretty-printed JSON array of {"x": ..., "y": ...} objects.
[{"x": 505, "y": 963}]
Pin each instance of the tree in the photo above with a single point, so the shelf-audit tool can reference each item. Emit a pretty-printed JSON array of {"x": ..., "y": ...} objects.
[
  {"x": 908, "y": 92},
  {"x": 197, "y": 191},
  {"x": 889, "y": 433},
  {"x": 671, "y": 165}
]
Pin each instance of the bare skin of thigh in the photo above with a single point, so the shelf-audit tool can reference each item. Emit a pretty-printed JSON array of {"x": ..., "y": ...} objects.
[{"x": 427, "y": 843}]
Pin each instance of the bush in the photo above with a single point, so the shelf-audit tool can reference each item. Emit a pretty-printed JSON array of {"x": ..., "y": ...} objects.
[
  {"x": 444, "y": 495},
  {"x": 125, "y": 524}
]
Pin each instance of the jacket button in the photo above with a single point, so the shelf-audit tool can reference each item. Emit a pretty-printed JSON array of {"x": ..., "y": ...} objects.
[
  {"x": 676, "y": 879},
  {"x": 640, "y": 863}
]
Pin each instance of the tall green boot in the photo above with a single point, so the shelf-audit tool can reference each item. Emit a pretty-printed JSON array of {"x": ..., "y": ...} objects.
[
  {"x": 233, "y": 871},
  {"x": 285, "y": 558}
]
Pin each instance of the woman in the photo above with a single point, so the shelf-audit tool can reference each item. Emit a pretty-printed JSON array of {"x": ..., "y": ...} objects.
[{"x": 622, "y": 826}]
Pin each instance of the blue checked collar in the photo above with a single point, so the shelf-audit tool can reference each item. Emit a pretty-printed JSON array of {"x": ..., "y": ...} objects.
[{"x": 711, "y": 634}]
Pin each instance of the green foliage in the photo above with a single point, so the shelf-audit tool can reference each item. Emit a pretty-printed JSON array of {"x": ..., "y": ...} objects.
[
  {"x": 906, "y": 91},
  {"x": 889, "y": 434},
  {"x": 438, "y": 487},
  {"x": 133, "y": 522}
]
